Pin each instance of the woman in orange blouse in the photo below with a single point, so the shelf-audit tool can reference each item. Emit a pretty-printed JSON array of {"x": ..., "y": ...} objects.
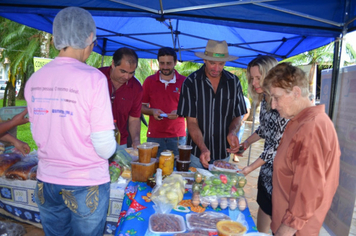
[{"x": 307, "y": 163}]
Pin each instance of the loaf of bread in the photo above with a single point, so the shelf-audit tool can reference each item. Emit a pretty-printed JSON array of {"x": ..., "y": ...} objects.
[
  {"x": 7, "y": 160},
  {"x": 21, "y": 169}
]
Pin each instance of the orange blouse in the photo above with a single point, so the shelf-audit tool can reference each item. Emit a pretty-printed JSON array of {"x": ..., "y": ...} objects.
[{"x": 305, "y": 172}]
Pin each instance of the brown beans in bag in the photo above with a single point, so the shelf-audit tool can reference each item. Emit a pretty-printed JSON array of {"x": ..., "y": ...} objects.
[
  {"x": 21, "y": 169},
  {"x": 7, "y": 160}
]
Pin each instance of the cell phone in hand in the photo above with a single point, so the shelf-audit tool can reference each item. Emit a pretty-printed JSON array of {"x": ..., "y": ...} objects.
[
  {"x": 163, "y": 115},
  {"x": 241, "y": 149}
]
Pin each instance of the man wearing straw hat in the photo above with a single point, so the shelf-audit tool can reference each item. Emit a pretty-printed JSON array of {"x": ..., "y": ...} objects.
[{"x": 212, "y": 101}]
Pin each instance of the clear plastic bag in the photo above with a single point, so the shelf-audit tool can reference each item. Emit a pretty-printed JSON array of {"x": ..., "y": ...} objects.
[
  {"x": 21, "y": 170},
  {"x": 204, "y": 221},
  {"x": 169, "y": 194},
  {"x": 121, "y": 157},
  {"x": 11, "y": 229},
  {"x": 7, "y": 160}
]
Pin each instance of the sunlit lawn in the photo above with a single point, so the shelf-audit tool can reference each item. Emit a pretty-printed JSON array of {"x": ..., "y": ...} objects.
[{"x": 24, "y": 132}]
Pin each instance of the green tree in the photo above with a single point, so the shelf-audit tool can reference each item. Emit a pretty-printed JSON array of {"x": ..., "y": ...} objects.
[
  {"x": 145, "y": 69},
  {"x": 21, "y": 44},
  {"x": 321, "y": 58}
]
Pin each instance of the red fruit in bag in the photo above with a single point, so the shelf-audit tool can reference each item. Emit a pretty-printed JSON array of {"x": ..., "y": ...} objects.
[{"x": 223, "y": 178}]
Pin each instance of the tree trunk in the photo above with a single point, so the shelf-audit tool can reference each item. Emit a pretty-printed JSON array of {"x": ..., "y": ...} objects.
[
  {"x": 11, "y": 95},
  {"x": 21, "y": 93},
  {"x": 45, "y": 43}
]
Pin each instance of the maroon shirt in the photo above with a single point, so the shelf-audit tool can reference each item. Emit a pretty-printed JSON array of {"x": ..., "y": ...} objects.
[
  {"x": 127, "y": 102},
  {"x": 166, "y": 98}
]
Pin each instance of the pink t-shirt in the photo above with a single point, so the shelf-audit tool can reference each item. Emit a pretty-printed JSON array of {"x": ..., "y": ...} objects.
[{"x": 68, "y": 100}]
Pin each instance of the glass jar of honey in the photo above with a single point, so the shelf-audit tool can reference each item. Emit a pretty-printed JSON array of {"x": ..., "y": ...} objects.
[{"x": 166, "y": 163}]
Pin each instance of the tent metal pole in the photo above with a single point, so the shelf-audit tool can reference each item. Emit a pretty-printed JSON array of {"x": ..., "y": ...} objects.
[
  {"x": 335, "y": 76},
  {"x": 222, "y": 4},
  {"x": 161, "y": 5},
  {"x": 136, "y": 6},
  {"x": 252, "y": 130},
  {"x": 171, "y": 28},
  {"x": 103, "y": 51},
  {"x": 177, "y": 38},
  {"x": 299, "y": 14}
]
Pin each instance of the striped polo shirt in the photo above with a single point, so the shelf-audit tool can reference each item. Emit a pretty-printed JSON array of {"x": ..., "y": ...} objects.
[{"x": 213, "y": 111}]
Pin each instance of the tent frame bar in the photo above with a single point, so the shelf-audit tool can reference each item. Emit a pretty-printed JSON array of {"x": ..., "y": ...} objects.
[{"x": 299, "y": 14}]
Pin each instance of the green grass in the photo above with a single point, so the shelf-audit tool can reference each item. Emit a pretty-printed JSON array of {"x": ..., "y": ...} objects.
[{"x": 24, "y": 133}]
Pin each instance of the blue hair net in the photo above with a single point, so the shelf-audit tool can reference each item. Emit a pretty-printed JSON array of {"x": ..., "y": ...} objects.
[{"x": 72, "y": 27}]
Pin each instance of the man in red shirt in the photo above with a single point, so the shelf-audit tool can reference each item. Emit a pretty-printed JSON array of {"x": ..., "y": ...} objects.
[
  {"x": 126, "y": 94},
  {"x": 160, "y": 101}
]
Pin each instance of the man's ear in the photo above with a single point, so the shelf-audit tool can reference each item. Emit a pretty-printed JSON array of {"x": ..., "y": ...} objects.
[{"x": 297, "y": 92}]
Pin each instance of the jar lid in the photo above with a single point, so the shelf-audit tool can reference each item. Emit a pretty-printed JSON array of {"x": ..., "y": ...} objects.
[{"x": 165, "y": 153}]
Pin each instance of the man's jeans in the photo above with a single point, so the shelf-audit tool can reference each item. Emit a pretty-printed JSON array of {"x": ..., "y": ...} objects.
[
  {"x": 168, "y": 144},
  {"x": 72, "y": 210}
]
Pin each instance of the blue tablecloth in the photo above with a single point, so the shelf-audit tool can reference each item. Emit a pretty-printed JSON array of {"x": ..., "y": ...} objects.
[{"x": 137, "y": 209}]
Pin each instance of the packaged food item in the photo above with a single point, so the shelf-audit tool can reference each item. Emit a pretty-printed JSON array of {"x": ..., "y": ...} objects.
[
  {"x": 242, "y": 204},
  {"x": 33, "y": 173},
  {"x": 133, "y": 153},
  {"x": 151, "y": 182},
  {"x": 184, "y": 152},
  {"x": 154, "y": 148},
  {"x": 225, "y": 166},
  {"x": 142, "y": 171},
  {"x": 115, "y": 171},
  {"x": 183, "y": 165},
  {"x": 167, "y": 195},
  {"x": 196, "y": 232},
  {"x": 126, "y": 174},
  {"x": 2, "y": 148},
  {"x": 166, "y": 224},
  {"x": 166, "y": 163},
  {"x": 196, "y": 199},
  {"x": 223, "y": 203},
  {"x": 206, "y": 220},
  {"x": 232, "y": 203},
  {"x": 230, "y": 228},
  {"x": 121, "y": 157},
  {"x": 21, "y": 169},
  {"x": 7, "y": 160},
  {"x": 144, "y": 153},
  {"x": 223, "y": 184}
]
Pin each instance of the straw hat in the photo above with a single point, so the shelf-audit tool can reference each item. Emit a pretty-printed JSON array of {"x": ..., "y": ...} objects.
[{"x": 216, "y": 51}]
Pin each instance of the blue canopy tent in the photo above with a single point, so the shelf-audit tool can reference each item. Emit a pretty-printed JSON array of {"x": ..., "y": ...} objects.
[
  {"x": 281, "y": 28},
  {"x": 277, "y": 27}
]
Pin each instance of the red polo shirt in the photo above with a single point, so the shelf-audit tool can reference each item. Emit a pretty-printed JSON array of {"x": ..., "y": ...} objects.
[
  {"x": 165, "y": 98},
  {"x": 127, "y": 102}
]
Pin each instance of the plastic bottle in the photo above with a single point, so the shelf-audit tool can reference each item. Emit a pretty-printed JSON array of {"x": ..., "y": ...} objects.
[{"x": 117, "y": 133}]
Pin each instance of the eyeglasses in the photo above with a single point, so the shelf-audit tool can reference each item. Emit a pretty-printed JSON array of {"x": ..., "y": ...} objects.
[{"x": 95, "y": 43}]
